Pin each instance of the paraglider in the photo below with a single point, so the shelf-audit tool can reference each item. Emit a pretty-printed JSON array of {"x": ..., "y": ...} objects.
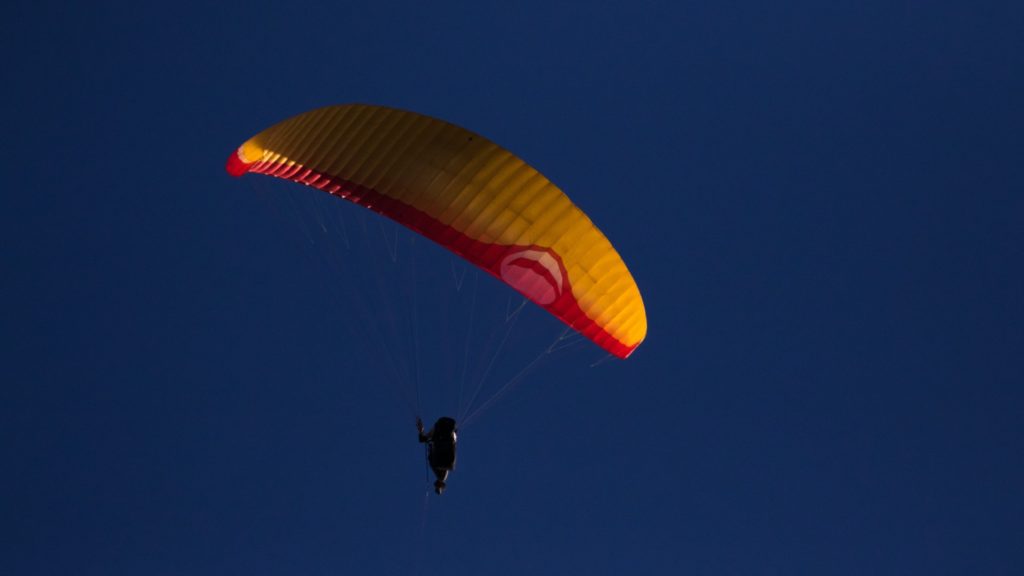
[
  {"x": 473, "y": 198},
  {"x": 440, "y": 441}
]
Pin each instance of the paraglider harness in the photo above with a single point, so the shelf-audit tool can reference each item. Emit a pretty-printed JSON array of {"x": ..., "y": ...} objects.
[{"x": 440, "y": 441}]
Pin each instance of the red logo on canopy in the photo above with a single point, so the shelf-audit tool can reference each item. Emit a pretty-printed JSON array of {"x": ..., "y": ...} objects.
[{"x": 536, "y": 272}]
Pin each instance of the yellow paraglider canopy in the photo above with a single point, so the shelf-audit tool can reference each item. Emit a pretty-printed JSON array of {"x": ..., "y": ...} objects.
[{"x": 467, "y": 194}]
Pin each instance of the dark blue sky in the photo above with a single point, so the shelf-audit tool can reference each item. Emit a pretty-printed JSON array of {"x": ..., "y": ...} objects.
[{"x": 822, "y": 203}]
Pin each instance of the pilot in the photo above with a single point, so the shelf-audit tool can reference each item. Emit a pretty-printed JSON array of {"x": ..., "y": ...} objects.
[{"x": 440, "y": 442}]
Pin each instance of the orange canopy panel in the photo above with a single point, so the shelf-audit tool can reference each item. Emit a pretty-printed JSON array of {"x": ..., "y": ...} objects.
[{"x": 470, "y": 196}]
